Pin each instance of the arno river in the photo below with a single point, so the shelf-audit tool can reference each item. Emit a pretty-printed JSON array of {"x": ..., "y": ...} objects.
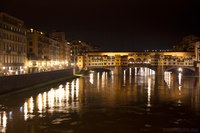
[{"x": 106, "y": 103}]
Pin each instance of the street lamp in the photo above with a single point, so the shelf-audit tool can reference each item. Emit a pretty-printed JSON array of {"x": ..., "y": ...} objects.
[{"x": 180, "y": 69}]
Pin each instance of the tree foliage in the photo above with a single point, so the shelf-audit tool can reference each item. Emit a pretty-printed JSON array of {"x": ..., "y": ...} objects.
[{"x": 187, "y": 44}]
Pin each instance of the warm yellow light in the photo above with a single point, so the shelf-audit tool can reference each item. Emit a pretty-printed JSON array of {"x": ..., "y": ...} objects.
[
  {"x": 180, "y": 69},
  {"x": 30, "y": 63},
  {"x": 40, "y": 105},
  {"x": 25, "y": 111},
  {"x": 4, "y": 119}
]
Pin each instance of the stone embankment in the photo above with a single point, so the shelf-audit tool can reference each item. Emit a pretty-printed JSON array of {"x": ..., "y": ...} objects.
[{"x": 29, "y": 81}]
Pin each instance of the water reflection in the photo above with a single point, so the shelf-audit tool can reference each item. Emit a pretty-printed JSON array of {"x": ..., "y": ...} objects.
[
  {"x": 179, "y": 78},
  {"x": 168, "y": 78},
  {"x": 179, "y": 88},
  {"x": 3, "y": 122},
  {"x": 91, "y": 78},
  {"x": 149, "y": 93},
  {"x": 54, "y": 100},
  {"x": 102, "y": 102}
]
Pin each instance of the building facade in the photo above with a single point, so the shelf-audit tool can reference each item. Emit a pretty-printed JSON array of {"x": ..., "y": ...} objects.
[
  {"x": 79, "y": 48},
  {"x": 43, "y": 52},
  {"x": 64, "y": 47},
  {"x": 124, "y": 59},
  {"x": 13, "y": 45}
]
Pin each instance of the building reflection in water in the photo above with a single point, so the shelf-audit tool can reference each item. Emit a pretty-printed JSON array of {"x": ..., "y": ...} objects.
[
  {"x": 55, "y": 100},
  {"x": 149, "y": 92},
  {"x": 91, "y": 78},
  {"x": 3, "y": 122},
  {"x": 179, "y": 88},
  {"x": 101, "y": 94},
  {"x": 168, "y": 79}
]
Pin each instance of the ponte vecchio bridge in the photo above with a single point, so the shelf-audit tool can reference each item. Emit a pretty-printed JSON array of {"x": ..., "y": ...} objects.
[{"x": 157, "y": 61}]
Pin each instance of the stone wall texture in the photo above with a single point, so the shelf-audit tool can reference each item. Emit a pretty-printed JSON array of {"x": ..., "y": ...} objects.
[{"x": 16, "y": 82}]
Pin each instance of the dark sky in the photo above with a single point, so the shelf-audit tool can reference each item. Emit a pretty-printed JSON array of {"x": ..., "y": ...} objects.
[{"x": 115, "y": 25}]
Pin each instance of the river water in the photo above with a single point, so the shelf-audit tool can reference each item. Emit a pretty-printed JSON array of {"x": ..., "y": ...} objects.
[{"x": 106, "y": 103}]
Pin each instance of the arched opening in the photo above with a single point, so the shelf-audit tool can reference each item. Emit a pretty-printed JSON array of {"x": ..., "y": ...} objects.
[
  {"x": 184, "y": 70},
  {"x": 100, "y": 70},
  {"x": 145, "y": 60},
  {"x": 131, "y": 61},
  {"x": 138, "y": 61}
]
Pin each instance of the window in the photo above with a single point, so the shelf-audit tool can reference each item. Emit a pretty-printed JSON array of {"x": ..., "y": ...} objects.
[{"x": 30, "y": 50}]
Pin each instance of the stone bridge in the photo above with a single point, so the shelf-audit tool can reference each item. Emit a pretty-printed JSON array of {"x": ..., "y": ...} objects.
[{"x": 157, "y": 61}]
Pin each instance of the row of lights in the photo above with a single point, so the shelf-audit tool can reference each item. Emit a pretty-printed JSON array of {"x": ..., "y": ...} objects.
[{"x": 166, "y": 50}]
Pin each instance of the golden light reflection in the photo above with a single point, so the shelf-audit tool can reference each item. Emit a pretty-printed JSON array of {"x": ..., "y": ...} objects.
[
  {"x": 51, "y": 96},
  {"x": 3, "y": 122},
  {"x": 112, "y": 72},
  {"x": 44, "y": 100},
  {"x": 31, "y": 105},
  {"x": 77, "y": 88},
  {"x": 53, "y": 100},
  {"x": 167, "y": 78},
  {"x": 60, "y": 95},
  {"x": 106, "y": 75},
  {"x": 103, "y": 80},
  {"x": 149, "y": 92},
  {"x": 40, "y": 104},
  {"x": 141, "y": 71},
  {"x": 72, "y": 91},
  {"x": 98, "y": 79},
  {"x": 179, "y": 78},
  {"x": 179, "y": 86},
  {"x": 135, "y": 70},
  {"x": 25, "y": 111},
  {"x": 67, "y": 92},
  {"x": 91, "y": 78},
  {"x": 124, "y": 78}
]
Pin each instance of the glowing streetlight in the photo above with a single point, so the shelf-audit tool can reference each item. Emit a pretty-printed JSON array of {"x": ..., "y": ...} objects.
[{"x": 180, "y": 69}]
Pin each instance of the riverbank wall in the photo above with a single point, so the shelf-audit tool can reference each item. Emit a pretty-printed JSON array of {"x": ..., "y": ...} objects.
[{"x": 18, "y": 82}]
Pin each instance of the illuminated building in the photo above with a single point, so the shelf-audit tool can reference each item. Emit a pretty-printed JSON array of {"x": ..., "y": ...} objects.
[
  {"x": 64, "y": 47},
  {"x": 43, "y": 52},
  {"x": 13, "y": 45},
  {"x": 80, "y": 48},
  {"x": 140, "y": 59}
]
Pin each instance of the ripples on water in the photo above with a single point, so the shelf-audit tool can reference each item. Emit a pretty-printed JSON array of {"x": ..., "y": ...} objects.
[{"x": 105, "y": 103}]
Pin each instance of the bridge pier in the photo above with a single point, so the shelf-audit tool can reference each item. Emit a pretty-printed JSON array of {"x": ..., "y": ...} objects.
[
  {"x": 117, "y": 70},
  {"x": 197, "y": 55},
  {"x": 160, "y": 75},
  {"x": 197, "y": 68}
]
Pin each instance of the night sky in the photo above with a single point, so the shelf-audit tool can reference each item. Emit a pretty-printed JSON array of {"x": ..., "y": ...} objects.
[{"x": 115, "y": 25}]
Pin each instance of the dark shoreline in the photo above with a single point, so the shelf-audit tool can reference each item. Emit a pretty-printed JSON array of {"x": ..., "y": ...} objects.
[{"x": 20, "y": 83}]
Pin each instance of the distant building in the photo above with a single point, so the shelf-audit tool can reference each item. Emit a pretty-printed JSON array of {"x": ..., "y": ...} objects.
[
  {"x": 13, "y": 50},
  {"x": 80, "y": 48}
]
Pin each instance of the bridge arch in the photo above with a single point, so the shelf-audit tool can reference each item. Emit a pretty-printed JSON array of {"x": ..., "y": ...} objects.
[
  {"x": 99, "y": 69},
  {"x": 131, "y": 61},
  {"x": 145, "y": 60},
  {"x": 191, "y": 69},
  {"x": 138, "y": 61}
]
